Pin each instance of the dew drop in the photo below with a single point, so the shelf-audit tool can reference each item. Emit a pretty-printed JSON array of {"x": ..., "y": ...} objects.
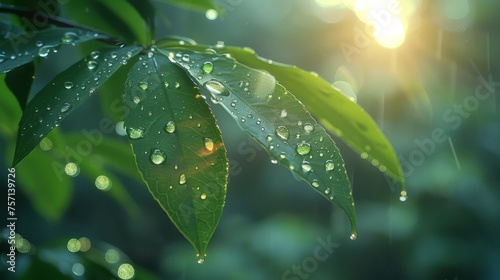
[
  {"x": 92, "y": 64},
  {"x": 282, "y": 155},
  {"x": 303, "y": 148},
  {"x": 308, "y": 128},
  {"x": 157, "y": 156},
  {"x": 182, "y": 179},
  {"x": 201, "y": 260},
  {"x": 282, "y": 132},
  {"x": 39, "y": 43},
  {"x": 165, "y": 84},
  {"x": 315, "y": 184},
  {"x": 95, "y": 54},
  {"x": 283, "y": 113},
  {"x": 216, "y": 88},
  {"x": 170, "y": 127},
  {"x": 209, "y": 144},
  {"x": 135, "y": 133},
  {"x": 207, "y": 67},
  {"x": 353, "y": 236},
  {"x": 66, "y": 107},
  {"x": 44, "y": 51},
  {"x": 177, "y": 85},
  {"x": 306, "y": 167},
  {"x": 274, "y": 161},
  {"x": 364, "y": 155},
  {"x": 137, "y": 100},
  {"x": 185, "y": 58},
  {"x": 143, "y": 85},
  {"x": 203, "y": 196},
  {"x": 329, "y": 165},
  {"x": 327, "y": 191},
  {"x": 68, "y": 85},
  {"x": 269, "y": 138},
  {"x": 69, "y": 37}
]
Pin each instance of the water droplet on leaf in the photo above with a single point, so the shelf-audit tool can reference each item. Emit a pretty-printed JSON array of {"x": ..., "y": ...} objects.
[
  {"x": 306, "y": 167},
  {"x": 143, "y": 85},
  {"x": 91, "y": 64},
  {"x": 170, "y": 127},
  {"x": 207, "y": 67},
  {"x": 157, "y": 156},
  {"x": 135, "y": 133},
  {"x": 282, "y": 132},
  {"x": 66, "y": 107},
  {"x": 69, "y": 37},
  {"x": 44, "y": 51},
  {"x": 182, "y": 179},
  {"x": 216, "y": 88},
  {"x": 209, "y": 144},
  {"x": 303, "y": 148},
  {"x": 308, "y": 128},
  {"x": 68, "y": 85},
  {"x": 329, "y": 165}
]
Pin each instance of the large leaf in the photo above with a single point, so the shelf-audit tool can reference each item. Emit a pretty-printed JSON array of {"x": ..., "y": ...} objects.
[
  {"x": 333, "y": 110},
  {"x": 67, "y": 91},
  {"x": 276, "y": 119},
  {"x": 21, "y": 49},
  {"x": 178, "y": 147}
]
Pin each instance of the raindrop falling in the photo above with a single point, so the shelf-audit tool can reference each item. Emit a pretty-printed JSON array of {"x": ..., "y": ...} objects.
[
  {"x": 182, "y": 179},
  {"x": 135, "y": 133},
  {"x": 303, "y": 148},
  {"x": 329, "y": 165},
  {"x": 92, "y": 64},
  {"x": 66, "y": 107},
  {"x": 143, "y": 85},
  {"x": 170, "y": 127},
  {"x": 282, "y": 132},
  {"x": 209, "y": 144},
  {"x": 207, "y": 67},
  {"x": 157, "y": 156},
  {"x": 68, "y": 85},
  {"x": 216, "y": 88}
]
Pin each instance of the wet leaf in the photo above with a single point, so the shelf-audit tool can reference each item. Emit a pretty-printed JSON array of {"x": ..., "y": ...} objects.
[
  {"x": 22, "y": 89},
  {"x": 24, "y": 48},
  {"x": 276, "y": 119},
  {"x": 334, "y": 111},
  {"x": 178, "y": 147},
  {"x": 66, "y": 92}
]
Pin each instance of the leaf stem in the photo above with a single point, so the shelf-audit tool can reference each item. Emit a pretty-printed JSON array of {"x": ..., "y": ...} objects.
[{"x": 57, "y": 21}]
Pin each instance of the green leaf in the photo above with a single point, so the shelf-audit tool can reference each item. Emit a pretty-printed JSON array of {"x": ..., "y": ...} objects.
[
  {"x": 10, "y": 112},
  {"x": 40, "y": 179},
  {"x": 67, "y": 91},
  {"x": 19, "y": 81},
  {"x": 276, "y": 119},
  {"x": 199, "y": 5},
  {"x": 178, "y": 147},
  {"x": 334, "y": 111},
  {"x": 24, "y": 48},
  {"x": 115, "y": 17}
]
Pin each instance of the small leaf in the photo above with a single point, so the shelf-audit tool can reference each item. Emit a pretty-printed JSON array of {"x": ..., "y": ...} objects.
[
  {"x": 178, "y": 147},
  {"x": 19, "y": 81},
  {"x": 66, "y": 92},
  {"x": 276, "y": 119},
  {"x": 199, "y": 5},
  {"x": 24, "y": 48},
  {"x": 334, "y": 111}
]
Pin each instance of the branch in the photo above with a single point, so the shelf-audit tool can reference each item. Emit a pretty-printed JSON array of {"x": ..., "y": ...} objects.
[{"x": 57, "y": 21}]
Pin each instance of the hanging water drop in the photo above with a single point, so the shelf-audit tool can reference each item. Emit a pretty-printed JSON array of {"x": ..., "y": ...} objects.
[
  {"x": 66, "y": 107},
  {"x": 353, "y": 236},
  {"x": 303, "y": 148},
  {"x": 182, "y": 179},
  {"x": 209, "y": 144},
  {"x": 44, "y": 51},
  {"x": 216, "y": 88},
  {"x": 403, "y": 196},
  {"x": 207, "y": 67},
  {"x": 135, "y": 133},
  {"x": 157, "y": 156},
  {"x": 329, "y": 165},
  {"x": 282, "y": 132},
  {"x": 143, "y": 85}
]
